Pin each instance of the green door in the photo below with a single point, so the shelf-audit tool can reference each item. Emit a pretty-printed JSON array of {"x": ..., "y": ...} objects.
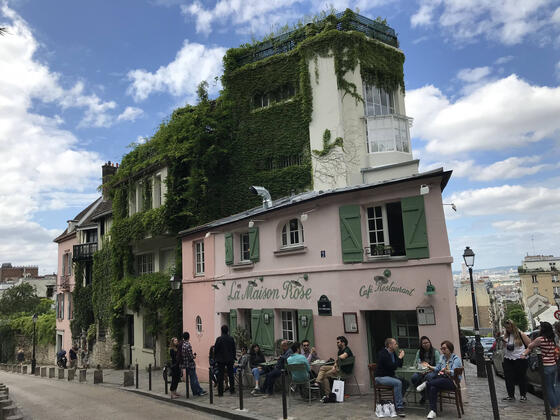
[
  {"x": 232, "y": 321},
  {"x": 305, "y": 325},
  {"x": 262, "y": 329}
]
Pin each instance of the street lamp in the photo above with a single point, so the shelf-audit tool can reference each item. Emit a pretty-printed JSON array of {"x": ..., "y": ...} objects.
[
  {"x": 33, "y": 361},
  {"x": 175, "y": 282},
  {"x": 468, "y": 256}
]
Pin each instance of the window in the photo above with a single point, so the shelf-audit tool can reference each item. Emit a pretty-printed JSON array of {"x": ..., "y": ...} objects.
[
  {"x": 292, "y": 233},
  {"x": 385, "y": 229},
  {"x": 288, "y": 331},
  {"x": 70, "y": 307},
  {"x": 198, "y": 324},
  {"x": 534, "y": 278},
  {"x": 60, "y": 306},
  {"x": 281, "y": 94},
  {"x": 555, "y": 278},
  {"x": 50, "y": 291},
  {"x": 157, "y": 191},
  {"x": 378, "y": 101},
  {"x": 199, "y": 257},
  {"x": 132, "y": 199},
  {"x": 167, "y": 260},
  {"x": 407, "y": 329},
  {"x": 147, "y": 194},
  {"x": 91, "y": 236},
  {"x": 148, "y": 337},
  {"x": 244, "y": 246},
  {"x": 145, "y": 263}
]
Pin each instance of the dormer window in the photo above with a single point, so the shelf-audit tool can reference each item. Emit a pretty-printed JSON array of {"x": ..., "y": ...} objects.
[{"x": 292, "y": 233}]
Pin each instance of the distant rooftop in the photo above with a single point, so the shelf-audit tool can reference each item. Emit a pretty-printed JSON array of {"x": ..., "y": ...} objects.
[
  {"x": 287, "y": 42},
  {"x": 540, "y": 258}
]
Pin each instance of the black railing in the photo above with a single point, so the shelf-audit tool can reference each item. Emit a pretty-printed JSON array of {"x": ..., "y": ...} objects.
[{"x": 84, "y": 252}]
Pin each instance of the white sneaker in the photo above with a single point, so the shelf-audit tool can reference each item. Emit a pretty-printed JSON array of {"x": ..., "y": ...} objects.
[
  {"x": 421, "y": 388},
  {"x": 432, "y": 414}
]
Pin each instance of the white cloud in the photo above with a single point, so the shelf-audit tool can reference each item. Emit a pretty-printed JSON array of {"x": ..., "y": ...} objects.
[
  {"x": 130, "y": 114},
  {"x": 193, "y": 63},
  {"x": 504, "y": 60},
  {"x": 473, "y": 75},
  {"x": 506, "y": 21},
  {"x": 43, "y": 167},
  {"x": 500, "y": 114}
]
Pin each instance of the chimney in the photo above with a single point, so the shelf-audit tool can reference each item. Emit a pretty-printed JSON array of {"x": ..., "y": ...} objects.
[{"x": 107, "y": 171}]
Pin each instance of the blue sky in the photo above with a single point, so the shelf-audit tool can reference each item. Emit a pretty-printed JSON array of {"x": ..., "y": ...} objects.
[{"x": 80, "y": 82}]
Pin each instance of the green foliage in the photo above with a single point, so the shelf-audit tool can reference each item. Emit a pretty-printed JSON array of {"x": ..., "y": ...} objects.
[
  {"x": 242, "y": 338},
  {"x": 46, "y": 327},
  {"x": 82, "y": 299},
  {"x": 102, "y": 278},
  {"x": 20, "y": 298},
  {"x": 327, "y": 145},
  {"x": 515, "y": 312}
]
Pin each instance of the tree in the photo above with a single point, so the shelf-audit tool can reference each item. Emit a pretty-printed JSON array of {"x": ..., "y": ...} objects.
[
  {"x": 517, "y": 315},
  {"x": 20, "y": 298}
]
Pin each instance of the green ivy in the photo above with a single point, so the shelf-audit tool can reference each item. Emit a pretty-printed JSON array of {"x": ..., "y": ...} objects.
[
  {"x": 327, "y": 145},
  {"x": 82, "y": 300},
  {"x": 46, "y": 327}
]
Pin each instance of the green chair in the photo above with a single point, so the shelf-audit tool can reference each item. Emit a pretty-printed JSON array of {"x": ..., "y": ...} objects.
[
  {"x": 300, "y": 367},
  {"x": 349, "y": 361}
]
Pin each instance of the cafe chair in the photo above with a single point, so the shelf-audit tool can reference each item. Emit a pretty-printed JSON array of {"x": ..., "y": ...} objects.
[
  {"x": 343, "y": 376},
  {"x": 301, "y": 367},
  {"x": 380, "y": 392},
  {"x": 453, "y": 396}
]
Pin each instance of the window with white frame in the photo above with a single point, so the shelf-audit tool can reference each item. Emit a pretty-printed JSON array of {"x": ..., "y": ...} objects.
[
  {"x": 385, "y": 229},
  {"x": 244, "y": 246},
  {"x": 288, "y": 325},
  {"x": 157, "y": 191},
  {"x": 555, "y": 278},
  {"x": 145, "y": 263},
  {"x": 292, "y": 233},
  {"x": 198, "y": 324},
  {"x": 60, "y": 306},
  {"x": 70, "y": 307},
  {"x": 534, "y": 278},
  {"x": 199, "y": 257},
  {"x": 378, "y": 101}
]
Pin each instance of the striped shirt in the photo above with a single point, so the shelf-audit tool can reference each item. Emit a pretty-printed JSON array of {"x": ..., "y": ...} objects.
[{"x": 547, "y": 350}]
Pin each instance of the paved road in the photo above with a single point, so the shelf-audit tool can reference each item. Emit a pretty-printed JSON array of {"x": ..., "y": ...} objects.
[{"x": 43, "y": 399}]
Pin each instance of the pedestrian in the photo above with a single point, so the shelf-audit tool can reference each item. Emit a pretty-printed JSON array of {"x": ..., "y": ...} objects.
[
  {"x": 426, "y": 359},
  {"x": 190, "y": 366},
  {"x": 175, "y": 367},
  {"x": 224, "y": 352},
  {"x": 73, "y": 353},
  {"x": 85, "y": 359},
  {"x": 547, "y": 345},
  {"x": 20, "y": 356},
  {"x": 515, "y": 366}
]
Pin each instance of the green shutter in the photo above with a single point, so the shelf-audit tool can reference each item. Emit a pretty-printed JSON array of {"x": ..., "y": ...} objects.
[
  {"x": 229, "y": 248},
  {"x": 232, "y": 321},
  {"x": 414, "y": 225},
  {"x": 254, "y": 244},
  {"x": 255, "y": 325},
  {"x": 351, "y": 233},
  {"x": 305, "y": 333},
  {"x": 267, "y": 332}
]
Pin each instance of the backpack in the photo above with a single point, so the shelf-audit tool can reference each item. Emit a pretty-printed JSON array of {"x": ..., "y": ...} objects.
[{"x": 331, "y": 398}]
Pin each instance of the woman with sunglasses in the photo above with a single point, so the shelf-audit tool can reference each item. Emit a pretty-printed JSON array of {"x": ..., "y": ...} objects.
[
  {"x": 443, "y": 380},
  {"x": 426, "y": 358},
  {"x": 515, "y": 366}
]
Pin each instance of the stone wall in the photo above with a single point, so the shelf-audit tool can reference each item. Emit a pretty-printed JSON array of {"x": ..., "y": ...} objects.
[
  {"x": 102, "y": 351},
  {"x": 44, "y": 354}
]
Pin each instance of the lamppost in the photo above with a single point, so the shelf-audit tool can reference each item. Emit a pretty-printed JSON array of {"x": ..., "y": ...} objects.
[
  {"x": 468, "y": 256},
  {"x": 33, "y": 361},
  {"x": 175, "y": 282}
]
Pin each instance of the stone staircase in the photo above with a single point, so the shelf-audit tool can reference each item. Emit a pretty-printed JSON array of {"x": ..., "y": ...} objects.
[{"x": 8, "y": 410}]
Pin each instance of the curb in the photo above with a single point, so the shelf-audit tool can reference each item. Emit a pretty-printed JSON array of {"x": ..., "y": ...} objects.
[{"x": 199, "y": 406}]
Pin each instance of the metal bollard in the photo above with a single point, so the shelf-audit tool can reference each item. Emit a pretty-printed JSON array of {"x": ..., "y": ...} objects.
[
  {"x": 240, "y": 388},
  {"x": 165, "y": 379},
  {"x": 150, "y": 377},
  {"x": 187, "y": 396},
  {"x": 544, "y": 393},
  {"x": 211, "y": 385},
  {"x": 136, "y": 375},
  {"x": 284, "y": 401},
  {"x": 492, "y": 387}
]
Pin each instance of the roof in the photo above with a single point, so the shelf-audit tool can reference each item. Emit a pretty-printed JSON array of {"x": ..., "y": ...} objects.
[
  {"x": 308, "y": 196},
  {"x": 82, "y": 219},
  {"x": 104, "y": 208}
]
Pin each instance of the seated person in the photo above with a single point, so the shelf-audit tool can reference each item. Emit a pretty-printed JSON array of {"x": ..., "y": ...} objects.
[
  {"x": 310, "y": 354},
  {"x": 327, "y": 372},
  {"x": 298, "y": 358},
  {"x": 256, "y": 357},
  {"x": 268, "y": 386},
  {"x": 243, "y": 361},
  {"x": 387, "y": 363},
  {"x": 443, "y": 380},
  {"x": 426, "y": 358}
]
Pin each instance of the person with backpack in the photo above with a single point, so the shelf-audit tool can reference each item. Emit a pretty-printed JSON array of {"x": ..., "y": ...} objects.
[
  {"x": 515, "y": 367},
  {"x": 224, "y": 352}
]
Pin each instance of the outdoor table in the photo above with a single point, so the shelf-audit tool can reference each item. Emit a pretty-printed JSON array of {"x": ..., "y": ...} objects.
[
  {"x": 270, "y": 363},
  {"x": 406, "y": 372}
]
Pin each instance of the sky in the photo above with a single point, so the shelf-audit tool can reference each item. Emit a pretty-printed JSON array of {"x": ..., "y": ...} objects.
[{"x": 82, "y": 82}]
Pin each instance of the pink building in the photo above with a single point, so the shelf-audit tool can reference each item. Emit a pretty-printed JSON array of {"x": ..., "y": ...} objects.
[{"x": 368, "y": 262}]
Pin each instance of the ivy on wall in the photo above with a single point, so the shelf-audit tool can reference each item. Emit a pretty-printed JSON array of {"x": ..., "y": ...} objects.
[
  {"x": 82, "y": 300},
  {"x": 327, "y": 145}
]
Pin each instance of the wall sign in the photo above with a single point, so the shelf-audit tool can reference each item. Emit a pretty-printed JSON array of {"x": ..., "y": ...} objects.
[
  {"x": 324, "y": 306},
  {"x": 350, "y": 322},
  {"x": 288, "y": 291},
  {"x": 380, "y": 287},
  {"x": 426, "y": 315}
]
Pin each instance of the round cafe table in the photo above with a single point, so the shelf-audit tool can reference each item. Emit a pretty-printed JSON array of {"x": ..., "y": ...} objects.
[{"x": 406, "y": 372}]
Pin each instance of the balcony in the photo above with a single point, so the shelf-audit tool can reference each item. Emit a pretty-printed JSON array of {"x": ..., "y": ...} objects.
[
  {"x": 84, "y": 252},
  {"x": 388, "y": 133}
]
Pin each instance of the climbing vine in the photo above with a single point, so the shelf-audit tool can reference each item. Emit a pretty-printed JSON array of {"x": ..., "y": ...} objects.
[
  {"x": 327, "y": 145},
  {"x": 81, "y": 297}
]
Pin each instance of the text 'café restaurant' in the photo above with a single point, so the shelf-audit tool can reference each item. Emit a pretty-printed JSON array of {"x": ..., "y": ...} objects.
[{"x": 367, "y": 262}]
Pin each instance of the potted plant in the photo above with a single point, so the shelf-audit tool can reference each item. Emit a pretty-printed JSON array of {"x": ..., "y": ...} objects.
[{"x": 379, "y": 249}]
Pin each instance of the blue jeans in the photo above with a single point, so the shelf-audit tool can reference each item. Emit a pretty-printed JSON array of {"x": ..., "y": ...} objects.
[
  {"x": 195, "y": 386},
  {"x": 433, "y": 386},
  {"x": 271, "y": 377},
  {"x": 552, "y": 390},
  {"x": 256, "y": 374},
  {"x": 397, "y": 385}
]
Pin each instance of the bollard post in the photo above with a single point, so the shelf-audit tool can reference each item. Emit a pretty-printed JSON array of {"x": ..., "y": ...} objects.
[
  {"x": 211, "y": 385},
  {"x": 284, "y": 401},
  {"x": 544, "y": 393},
  {"x": 165, "y": 379},
  {"x": 150, "y": 377},
  {"x": 136, "y": 375},
  {"x": 187, "y": 396},
  {"x": 240, "y": 388},
  {"x": 492, "y": 387}
]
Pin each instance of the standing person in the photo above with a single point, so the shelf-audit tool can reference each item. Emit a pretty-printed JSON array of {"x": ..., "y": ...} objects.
[
  {"x": 175, "y": 367},
  {"x": 189, "y": 365},
  {"x": 73, "y": 353},
  {"x": 256, "y": 357},
  {"x": 426, "y": 358},
  {"x": 327, "y": 372},
  {"x": 547, "y": 345},
  {"x": 387, "y": 363},
  {"x": 224, "y": 352},
  {"x": 20, "y": 356},
  {"x": 515, "y": 366},
  {"x": 445, "y": 370}
]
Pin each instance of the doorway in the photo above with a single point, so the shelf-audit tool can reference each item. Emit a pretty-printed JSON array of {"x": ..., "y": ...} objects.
[
  {"x": 58, "y": 342},
  {"x": 401, "y": 325}
]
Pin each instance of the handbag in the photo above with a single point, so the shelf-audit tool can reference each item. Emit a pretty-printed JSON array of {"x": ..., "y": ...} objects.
[{"x": 338, "y": 390}]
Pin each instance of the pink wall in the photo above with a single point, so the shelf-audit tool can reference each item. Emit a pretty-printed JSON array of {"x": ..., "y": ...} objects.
[{"x": 63, "y": 325}]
